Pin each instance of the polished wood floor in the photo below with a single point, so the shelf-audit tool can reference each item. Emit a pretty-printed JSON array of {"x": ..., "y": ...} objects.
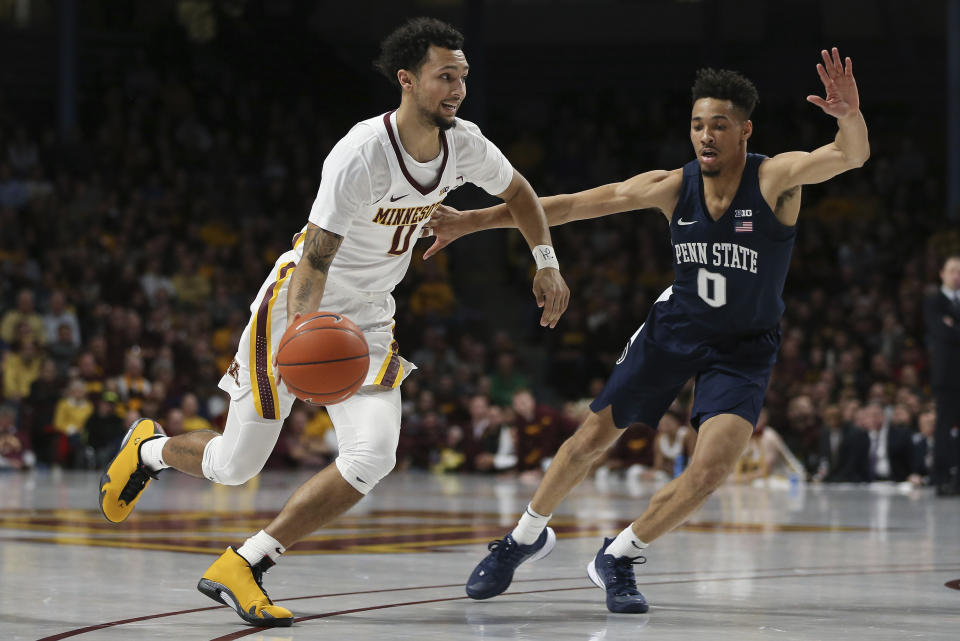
[{"x": 800, "y": 563}]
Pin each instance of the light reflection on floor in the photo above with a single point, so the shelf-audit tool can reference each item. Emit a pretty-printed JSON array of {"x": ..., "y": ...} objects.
[{"x": 785, "y": 563}]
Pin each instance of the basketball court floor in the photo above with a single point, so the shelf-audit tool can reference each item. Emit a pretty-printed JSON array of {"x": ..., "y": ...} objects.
[{"x": 802, "y": 563}]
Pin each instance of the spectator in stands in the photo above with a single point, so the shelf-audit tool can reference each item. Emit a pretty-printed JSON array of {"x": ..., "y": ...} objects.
[
  {"x": 15, "y": 450},
  {"x": 91, "y": 374},
  {"x": 192, "y": 421},
  {"x": 766, "y": 456},
  {"x": 481, "y": 435},
  {"x": 633, "y": 453},
  {"x": 506, "y": 380},
  {"x": 540, "y": 430},
  {"x": 890, "y": 452},
  {"x": 57, "y": 316},
  {"x": 21, "y": 367},
  {"x": 432, "y": 299},
  {"x": 132, "y": 386},
  {"x": 69, "y": 420},
  {"x": 105, "y": 429},
  {"x": 63, "y": 350},
  {"x": 802, "y": 430},
  {"x": 38, "y": 408},
  {"x": 844, "y": 449},
  {"x": 24, "y": 314},
  {"x": 673, "y": 445},
  {"x": 174, "y": 422}
]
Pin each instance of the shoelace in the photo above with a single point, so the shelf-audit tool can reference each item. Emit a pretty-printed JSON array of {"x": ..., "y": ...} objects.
[
  {"x": 624, "y": 580},
  {"x": 138, "y": 480},
  {"x": 504, "y": 550},
  {"x": 258, "y": 571}
]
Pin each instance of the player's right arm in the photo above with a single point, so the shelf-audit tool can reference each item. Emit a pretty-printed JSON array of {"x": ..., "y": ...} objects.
[
  {"x": 310, "y": 275},
  {"x": 657, "y": 189}
]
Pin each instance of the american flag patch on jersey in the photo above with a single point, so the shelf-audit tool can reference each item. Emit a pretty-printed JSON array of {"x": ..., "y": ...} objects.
[{"x": 742, "y": 225}]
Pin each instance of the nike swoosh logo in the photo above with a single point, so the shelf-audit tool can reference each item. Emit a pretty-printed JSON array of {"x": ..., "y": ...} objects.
[
  {"x": 686, "y": 222},
  {"x": 394, "y": 199}
]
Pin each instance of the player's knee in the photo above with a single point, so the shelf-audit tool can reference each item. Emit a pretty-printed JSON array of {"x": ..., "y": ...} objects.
[
  {"x": 226, "y": 468},
  {"x": 364, "y": 467}
]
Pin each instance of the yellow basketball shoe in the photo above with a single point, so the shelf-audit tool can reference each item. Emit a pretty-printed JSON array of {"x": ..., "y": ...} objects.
[
  {"x": 235, "y": 582},
  {"x": 126, "y": 477}
]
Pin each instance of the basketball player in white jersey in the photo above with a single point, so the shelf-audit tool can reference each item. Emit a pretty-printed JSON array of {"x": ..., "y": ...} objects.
[{"x": 380, "y": 185}]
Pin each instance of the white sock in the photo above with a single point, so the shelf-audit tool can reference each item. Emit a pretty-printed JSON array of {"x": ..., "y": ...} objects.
[
  {"x": 260, "y": 545},
  {"x": 529, "y": 527},
  {"x": 151, "y": 453},
  {"x": 626, "y": 544}
]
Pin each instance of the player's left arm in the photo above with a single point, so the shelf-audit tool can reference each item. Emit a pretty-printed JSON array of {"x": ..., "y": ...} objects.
[
  {"x": 551, "y": 291},
  {"x": 849, "y": 150}
]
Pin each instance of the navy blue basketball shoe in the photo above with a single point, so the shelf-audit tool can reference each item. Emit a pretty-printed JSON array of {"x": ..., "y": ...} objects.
[
  {"x": 615, "y": 575},
  {"x": 495, "y": 572}
]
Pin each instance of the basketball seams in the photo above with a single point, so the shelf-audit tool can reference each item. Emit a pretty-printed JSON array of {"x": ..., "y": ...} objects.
[
  {"x": 314, "y": 329},
  {"x": 332, "y": 360}
]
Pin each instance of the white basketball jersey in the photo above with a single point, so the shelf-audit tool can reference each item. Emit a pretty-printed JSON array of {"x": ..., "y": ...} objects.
[{"x": 369, "y": 196}]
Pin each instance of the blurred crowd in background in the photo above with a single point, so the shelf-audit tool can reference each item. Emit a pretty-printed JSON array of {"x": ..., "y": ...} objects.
[{"x": 131, "y": 250}]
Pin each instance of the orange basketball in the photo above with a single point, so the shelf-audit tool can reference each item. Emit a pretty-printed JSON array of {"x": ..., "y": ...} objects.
[{"x": 323, "y": 358}]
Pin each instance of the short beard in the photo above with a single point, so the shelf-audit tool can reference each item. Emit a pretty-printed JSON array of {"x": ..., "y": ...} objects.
[
  {"x": 709, "y": 173},
  {"x": 443, "y": 123}
]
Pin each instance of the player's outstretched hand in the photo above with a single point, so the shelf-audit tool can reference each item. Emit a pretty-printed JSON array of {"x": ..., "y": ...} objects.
[
  {"x": 552, "y": 294},
  {"x": 842, "y": 98},
  {"x": 446, "y": 225}
]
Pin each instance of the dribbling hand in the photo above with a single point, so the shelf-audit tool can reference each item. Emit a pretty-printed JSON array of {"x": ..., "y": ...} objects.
[{"x": 842, "y": 98}]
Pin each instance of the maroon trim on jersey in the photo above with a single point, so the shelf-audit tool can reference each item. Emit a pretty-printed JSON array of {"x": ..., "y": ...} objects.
[{"x": 396, "y": 148}]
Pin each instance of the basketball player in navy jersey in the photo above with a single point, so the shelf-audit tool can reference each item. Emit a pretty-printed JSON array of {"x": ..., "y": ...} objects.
[{"x": 732, "y": 217}]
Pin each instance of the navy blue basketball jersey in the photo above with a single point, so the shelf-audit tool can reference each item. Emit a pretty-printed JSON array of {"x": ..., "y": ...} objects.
[{"x": 729, "y": 272}]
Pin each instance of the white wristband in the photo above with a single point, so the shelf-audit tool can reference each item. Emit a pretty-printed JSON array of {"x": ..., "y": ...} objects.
[{"x": 544, "y": 256}]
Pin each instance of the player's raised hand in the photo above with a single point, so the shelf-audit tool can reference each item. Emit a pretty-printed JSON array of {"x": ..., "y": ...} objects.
[
  {"x": 842, "y": 97},
  {"x": 552, "y": 294},
  {"x": 446, "y": 225}
]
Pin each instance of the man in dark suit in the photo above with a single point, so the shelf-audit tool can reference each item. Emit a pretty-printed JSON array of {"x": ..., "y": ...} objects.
[
  {"x": 942, "y": 319},
  {"x": 890, "y": 450},
  {"x": 844, "y": 450}
]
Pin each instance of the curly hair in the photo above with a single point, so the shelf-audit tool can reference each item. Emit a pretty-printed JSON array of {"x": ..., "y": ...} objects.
[
  {"x": 726, "y": 85},
  {"x": 406, "y": 47}
]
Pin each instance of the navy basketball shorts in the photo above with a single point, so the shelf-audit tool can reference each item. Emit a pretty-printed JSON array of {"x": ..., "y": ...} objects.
[{"x": 731, "y": 376}]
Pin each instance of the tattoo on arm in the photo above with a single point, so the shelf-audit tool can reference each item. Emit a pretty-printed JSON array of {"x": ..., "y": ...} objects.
[{"x": 320, "y": 247}]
